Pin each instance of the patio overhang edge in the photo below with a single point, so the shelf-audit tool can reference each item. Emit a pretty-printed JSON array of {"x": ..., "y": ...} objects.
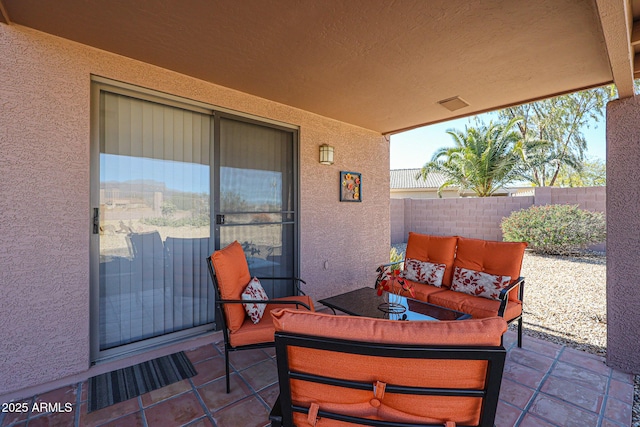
[
  {"x": 488, "y": 110},
  {"x": 4, "y": 15},
  {"x": 616, "y": 20}
]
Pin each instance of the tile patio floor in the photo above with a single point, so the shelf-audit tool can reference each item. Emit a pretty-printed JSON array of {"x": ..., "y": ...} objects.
[{"x": 544, "y": 384}]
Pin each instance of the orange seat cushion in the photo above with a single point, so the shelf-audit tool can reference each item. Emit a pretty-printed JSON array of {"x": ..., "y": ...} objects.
[
  {"x": 477, "y": 307},
  {"x": 497, "y": 258},
  {"x": 433, "y": 249},
  {"x": 232, "y": 275},
  {"x": 421, "y": 290},
  {"x": 400, "y": 371},
  {"x": 261, "y": 332}
]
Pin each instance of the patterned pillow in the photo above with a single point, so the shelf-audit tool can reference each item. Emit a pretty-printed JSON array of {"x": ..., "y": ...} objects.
[
  {"x": 478, "y": 283},
  {"x": 423, "y": 272},
  {"x": 254, "y": 291}
]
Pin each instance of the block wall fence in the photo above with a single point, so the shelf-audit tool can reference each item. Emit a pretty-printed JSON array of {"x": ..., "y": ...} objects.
[{"x": 480, "y": 217}]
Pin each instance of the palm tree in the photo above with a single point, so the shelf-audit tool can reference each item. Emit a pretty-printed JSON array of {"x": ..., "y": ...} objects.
[{"x": 482, "y": 160}]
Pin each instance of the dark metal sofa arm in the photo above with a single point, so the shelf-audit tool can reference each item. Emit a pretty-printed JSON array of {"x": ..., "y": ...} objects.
[
  {"x": 382, "y": 266},
  {"x": 504, "y": 294},
  {"x": 262, "y": 301}
]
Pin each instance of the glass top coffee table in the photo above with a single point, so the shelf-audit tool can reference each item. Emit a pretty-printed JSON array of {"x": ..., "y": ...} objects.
[{"x": 365, "y": 302}]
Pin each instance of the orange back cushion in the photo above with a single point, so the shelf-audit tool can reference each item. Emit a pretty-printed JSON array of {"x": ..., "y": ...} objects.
[
  {"x": 472, "y": 332},
  {"x": 434, "y": 249},
  {"x": 498, "y": 258},
  {"x": 410, "y": 372},
  {"x": 232, "y": 275}
]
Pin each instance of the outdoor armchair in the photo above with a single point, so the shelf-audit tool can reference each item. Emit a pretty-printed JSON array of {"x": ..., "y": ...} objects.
[
  {"x": 344, "y": 370},
  {"x": 229, "y": 273}
]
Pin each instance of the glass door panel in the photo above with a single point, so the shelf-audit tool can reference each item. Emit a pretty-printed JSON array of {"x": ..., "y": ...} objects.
[
  {"x": 256, "y": 176},
  {"x": 154, "y": 220}
]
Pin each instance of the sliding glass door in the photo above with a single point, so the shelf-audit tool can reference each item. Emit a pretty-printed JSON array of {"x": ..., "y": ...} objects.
[
  {"x": 171, "y": 183},
  {"x": 153, "y": 220},
  {"x": 257, "y": 196}
]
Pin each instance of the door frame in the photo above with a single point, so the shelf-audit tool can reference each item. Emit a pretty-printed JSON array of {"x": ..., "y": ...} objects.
[{"x": 99, "y": 84}]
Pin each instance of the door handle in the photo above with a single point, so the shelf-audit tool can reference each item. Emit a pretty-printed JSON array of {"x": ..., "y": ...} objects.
[
  {"x": 219, "y": 219},
  {"x": 96, "y": 221}
]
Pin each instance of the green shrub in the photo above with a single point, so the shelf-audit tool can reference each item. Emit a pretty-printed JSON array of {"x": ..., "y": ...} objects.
[
  {"x": 555, "y": 229},
  {"x": 395, "y": 258}
]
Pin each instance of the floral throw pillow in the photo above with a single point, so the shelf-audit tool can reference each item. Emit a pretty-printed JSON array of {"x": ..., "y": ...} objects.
[
  {"x": 254, "y": 291},
  {"x": 478, "y": 283},
  {"x": 423, "y": 272}
]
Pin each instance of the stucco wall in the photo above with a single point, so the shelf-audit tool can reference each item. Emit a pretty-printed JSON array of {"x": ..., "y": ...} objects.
[
  {"x": 589, "y": 198},
  {"x": 397, "y": 220},
  {"x": 423, "y": 194},
  {"x": 470, "y": 217},
  {"x": 44, "y": 196},
  {"x": 480, "y": 217},
  {"x": 623, "y": 234}
]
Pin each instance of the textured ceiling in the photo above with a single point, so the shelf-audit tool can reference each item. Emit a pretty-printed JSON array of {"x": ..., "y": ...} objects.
[{"x": 379, "y": 64}]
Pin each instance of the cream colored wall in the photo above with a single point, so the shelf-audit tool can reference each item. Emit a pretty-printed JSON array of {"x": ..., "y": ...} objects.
[{"x": 44, "y": 197}]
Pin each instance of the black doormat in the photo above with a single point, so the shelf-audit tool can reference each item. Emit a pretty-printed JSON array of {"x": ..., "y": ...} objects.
[{"x": 126, "y": 383}]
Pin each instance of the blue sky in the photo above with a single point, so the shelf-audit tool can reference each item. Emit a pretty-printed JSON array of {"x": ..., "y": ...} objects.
[
  {"x": 191, "y": 177},
  {"x": 257, "y": 186},
  {"x": 412, "y": 149}
]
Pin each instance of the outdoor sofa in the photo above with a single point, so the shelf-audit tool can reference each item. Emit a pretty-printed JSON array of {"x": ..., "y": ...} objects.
[
  {"x": 474, "y": 276},
  {"x": 351, "y": 370}
]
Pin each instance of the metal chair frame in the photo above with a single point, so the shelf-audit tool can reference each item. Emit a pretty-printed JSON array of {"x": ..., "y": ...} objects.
[
  {"x": 221, "y": 320},
  {"x": 283, "y": 410},
  {"x": 504, "y": 298}
]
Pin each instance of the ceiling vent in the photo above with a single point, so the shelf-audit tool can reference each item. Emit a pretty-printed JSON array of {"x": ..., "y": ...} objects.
[{"x": 453, "y": 104}]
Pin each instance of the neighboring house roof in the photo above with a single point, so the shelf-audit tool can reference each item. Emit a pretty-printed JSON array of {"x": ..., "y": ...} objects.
[{"x": 406, "y": 178}]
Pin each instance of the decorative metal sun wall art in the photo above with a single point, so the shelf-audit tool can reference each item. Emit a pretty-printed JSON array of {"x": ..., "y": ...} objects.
[{"x": 350, "y": 186}]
